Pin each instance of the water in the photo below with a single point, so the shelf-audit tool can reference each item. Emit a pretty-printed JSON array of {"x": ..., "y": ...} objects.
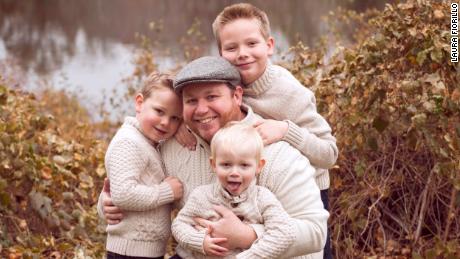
[{"x": 86, "y": 46}]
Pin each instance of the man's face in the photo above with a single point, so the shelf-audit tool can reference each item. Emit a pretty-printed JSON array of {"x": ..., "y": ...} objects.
[{"x": 209, "y": 106}]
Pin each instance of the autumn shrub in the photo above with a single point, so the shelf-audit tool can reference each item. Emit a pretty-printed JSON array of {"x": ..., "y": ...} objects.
[
  {"x": 393, "y": 100},
  {"x": 50, "y": 176}
]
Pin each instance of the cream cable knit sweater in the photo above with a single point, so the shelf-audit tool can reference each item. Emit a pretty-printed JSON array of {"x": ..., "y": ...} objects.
[
  {"x": 136, "y": 173},
  {"x": 255, "y": 205},
  {"x": 278, "y": 95},
  {"x": 287, "y": 174}
]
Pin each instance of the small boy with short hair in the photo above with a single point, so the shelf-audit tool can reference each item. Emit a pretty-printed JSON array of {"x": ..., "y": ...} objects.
[
  {"x": 138, "y": 184},
  {"x": 236, "y": 152}
]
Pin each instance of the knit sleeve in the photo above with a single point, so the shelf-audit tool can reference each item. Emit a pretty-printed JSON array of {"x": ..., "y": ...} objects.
[
  {"x": 309, "y": 132},
  {"x": 290, "y": 177},
  {"x": 125, "y": 163},
  {"x": 279, "y": 229},
  {"x": 182, "y": 227}
]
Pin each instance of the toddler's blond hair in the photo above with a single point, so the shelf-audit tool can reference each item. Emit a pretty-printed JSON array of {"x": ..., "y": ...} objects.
[{"x": 240, "y": 135}]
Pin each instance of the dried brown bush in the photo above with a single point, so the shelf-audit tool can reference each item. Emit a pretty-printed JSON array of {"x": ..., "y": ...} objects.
[{"x": 393, "y": 99}]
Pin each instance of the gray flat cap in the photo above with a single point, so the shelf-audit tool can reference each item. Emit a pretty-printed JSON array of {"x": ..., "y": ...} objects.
[{"x": 207, "y": 69}]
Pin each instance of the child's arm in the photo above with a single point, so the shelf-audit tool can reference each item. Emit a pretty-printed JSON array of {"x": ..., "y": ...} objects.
[
  {"x": 279, "y": 229},
  {"x": 187, "y": 235},
  {"x": 306, "y": 130},
  {"x": 185, "y": 137},
  {"x": 125, "y": 164}
]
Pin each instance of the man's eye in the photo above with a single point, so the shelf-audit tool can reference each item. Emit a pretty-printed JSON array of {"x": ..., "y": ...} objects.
[{"x": 190, "y": 101}]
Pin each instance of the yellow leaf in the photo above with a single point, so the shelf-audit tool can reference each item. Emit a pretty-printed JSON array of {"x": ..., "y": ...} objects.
[{"x": 77, "y": 156}]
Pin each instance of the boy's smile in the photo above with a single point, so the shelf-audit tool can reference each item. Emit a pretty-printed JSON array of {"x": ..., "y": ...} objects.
[
  {"x": 159, "y": 115},
  {"x": 243, "y": 45}
]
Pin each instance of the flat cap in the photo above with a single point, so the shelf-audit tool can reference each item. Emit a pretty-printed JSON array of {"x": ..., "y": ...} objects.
[{"x": 207, "y": 69}]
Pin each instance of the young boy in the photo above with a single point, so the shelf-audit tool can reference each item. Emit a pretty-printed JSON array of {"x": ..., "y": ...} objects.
[
  {"x": 236, "y": 151},
  {"x": 243, "y": 37},
  {"x": 137, "y": 180}
]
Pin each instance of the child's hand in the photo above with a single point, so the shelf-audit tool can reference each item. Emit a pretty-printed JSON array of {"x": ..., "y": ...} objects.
[
  {"x": 271, "y": 130},
  {"x": 176, "y": 186},
  {"x": 112, "y": 213},
  {"x": 185, "y": 137},
  {"x": 211, "y": 247}
]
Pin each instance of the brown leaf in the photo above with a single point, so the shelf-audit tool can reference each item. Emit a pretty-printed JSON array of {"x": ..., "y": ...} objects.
[
  {"x": 438, "y": 14},
  {"x": 46, "y": 172}
]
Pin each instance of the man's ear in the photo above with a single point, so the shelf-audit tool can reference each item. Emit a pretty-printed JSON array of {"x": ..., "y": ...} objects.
[
  {"x": 271, "y": 45},
  {"x": 238, "y": 95},
  {"x": 260, "y": 166},
  {"x": 139, "y": 101}
]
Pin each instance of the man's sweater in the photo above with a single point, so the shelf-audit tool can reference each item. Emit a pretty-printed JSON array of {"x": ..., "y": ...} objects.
[
  {"x": 136, "y": 176},
  {"x": 278, "y": 95},
  {"x": 255, "y": 205},
  {"x": 287, "y": 174}
]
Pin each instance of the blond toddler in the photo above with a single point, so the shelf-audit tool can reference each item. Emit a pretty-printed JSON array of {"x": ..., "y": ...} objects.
[{"x": 236, "y": 151}]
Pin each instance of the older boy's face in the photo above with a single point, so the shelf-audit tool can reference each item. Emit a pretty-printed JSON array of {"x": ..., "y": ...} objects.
[
  {"x": 243, "y": 45},
  {"x": 209, "y": 106}
]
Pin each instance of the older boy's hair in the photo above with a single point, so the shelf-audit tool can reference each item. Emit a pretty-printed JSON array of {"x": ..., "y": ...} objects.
[
  {"x": 241, "y": 11},
  {"x": 156, "y": 81},
  {"x": 237, "y": 134}
]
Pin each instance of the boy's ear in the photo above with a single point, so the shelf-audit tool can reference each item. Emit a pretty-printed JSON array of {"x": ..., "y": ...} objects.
[
  {"x": 271, "y": 45},
  {"x": 260, "y": 166},
  {"x": 213, "y": 163},
  {"x": 139, "y": 99}
]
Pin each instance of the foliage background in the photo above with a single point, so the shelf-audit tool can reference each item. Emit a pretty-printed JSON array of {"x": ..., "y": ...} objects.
[{"x": 392, "y": 97}]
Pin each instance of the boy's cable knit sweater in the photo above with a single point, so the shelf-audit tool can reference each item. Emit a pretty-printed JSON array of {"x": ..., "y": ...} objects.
[
  {"x": 278, "y": 95},
  {"x": 136, "y": 176},
  {"x": 255, "y": 205},
  {"x": 287, "y": 174}
]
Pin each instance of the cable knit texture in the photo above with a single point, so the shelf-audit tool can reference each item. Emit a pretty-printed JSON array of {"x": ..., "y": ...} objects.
[
  {"x": 278, "y": 95},
  {"x": 287, "y": 174},
  {"x": 136, "y": 173},
  {"x": 255, "y": 205}
]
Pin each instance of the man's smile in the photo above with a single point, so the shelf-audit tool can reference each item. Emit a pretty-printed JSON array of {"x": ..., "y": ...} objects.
[{"x": 206, "y": 120}]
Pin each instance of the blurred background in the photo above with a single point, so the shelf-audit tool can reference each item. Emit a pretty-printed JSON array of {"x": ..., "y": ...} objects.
[{"x": 87, "y": 46}]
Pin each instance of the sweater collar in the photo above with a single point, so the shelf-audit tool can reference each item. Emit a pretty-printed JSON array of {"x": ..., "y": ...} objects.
[
  {"x": 132, "y": 121},
  {"x": 263, "y": 83},
  {"x": 227, "y": 198}
]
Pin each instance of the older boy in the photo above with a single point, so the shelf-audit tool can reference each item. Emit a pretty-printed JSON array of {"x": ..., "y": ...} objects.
[{"x": 243, "y": 37}]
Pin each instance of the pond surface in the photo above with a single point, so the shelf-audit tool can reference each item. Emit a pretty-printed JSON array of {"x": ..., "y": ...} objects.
[{"x": 87, "y": 46}]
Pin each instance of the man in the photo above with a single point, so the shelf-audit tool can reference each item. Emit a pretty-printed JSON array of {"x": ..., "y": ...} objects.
[{"x": 212, "y": 96}]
